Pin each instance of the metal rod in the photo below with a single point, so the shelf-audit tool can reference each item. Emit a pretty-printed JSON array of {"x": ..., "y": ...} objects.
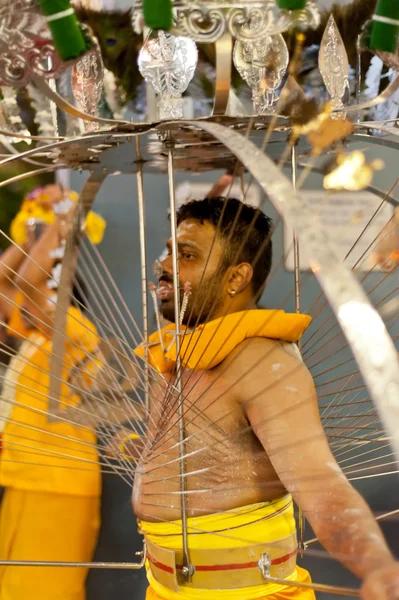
[
  {"x": 297, "y": 284},
  {"x": 188, "y": 569},
  {"x": 358, "y": 75},
  {"x": 28, "y": 174},
  {"x": 151, "y": 98},
  {"x": 318, "y": 587},
  {"x": 295, "y": 240},
  {"x": 87, "y": 197},
  {"x": 143, "y": 256},
  {"x": 85, "y": 565}
]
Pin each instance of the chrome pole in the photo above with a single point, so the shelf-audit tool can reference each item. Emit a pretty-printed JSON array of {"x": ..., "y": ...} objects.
[
  {"x": 295, "y": 239},
  {"x": 143, "y": 257},
  {"x": 188, "y": 568},
  {"x": 297, "y": 284}
]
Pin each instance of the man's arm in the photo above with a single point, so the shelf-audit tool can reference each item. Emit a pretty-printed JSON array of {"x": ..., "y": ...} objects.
[
  {"x": 280, "y": 402},
  {"x": 10, "y": 262},
  {"x": 33, "y": 276}
]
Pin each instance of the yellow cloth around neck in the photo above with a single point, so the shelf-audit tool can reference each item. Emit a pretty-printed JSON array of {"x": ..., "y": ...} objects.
[
  {"x": 265, "y": 522},
  {"x": 209, "y": 344}
]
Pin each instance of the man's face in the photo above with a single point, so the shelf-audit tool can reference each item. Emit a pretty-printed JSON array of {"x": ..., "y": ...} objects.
[{"x": 200, "y": 263}]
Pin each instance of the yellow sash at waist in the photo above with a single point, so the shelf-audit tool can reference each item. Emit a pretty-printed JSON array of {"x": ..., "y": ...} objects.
[
  {"x": 263, "y": 522},
  {"x": 248, "y": 526}
]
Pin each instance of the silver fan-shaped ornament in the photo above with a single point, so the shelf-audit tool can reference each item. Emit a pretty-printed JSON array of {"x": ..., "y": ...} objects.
[
  {"x": 333, "y": 63},
  {"x": 168, "y": 64},
  {"x": 262, "y": 64}
]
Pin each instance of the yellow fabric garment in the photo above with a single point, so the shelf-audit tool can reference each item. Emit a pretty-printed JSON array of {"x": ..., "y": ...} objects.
[
  {"x": 260, "y": 523},
  {"x": 37, "y": 455},
  {"x": 16, "y": 327},
  {"x": 286, "y": 593},
  {"x": 46, "y": 527},
  {"x": 209, "y": 344}
]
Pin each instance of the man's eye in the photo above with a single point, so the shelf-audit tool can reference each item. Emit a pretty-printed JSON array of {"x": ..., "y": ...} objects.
[{"x": 187, "y": 255}]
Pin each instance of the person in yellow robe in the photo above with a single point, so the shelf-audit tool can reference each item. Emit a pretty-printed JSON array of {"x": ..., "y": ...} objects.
[{"x": 50, "y": 470}]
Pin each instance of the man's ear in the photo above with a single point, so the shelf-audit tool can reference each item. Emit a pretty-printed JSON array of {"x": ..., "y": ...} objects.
[{"x": 240, "y": 277}]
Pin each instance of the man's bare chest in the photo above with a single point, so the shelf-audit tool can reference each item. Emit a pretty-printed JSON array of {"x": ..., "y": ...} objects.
[{"x": 206, "y": 400}]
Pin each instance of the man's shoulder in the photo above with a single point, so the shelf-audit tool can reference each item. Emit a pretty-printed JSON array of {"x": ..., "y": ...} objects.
[
  {"x": 258, "y": 355},
  {"x": 265, "y": 347}
]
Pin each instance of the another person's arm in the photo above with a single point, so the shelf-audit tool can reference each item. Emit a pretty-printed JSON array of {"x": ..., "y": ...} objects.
[
  {"x": 285, "y": 418},
  {"x": 33, "y": 277},
  {"x": 10, "y": 262}
]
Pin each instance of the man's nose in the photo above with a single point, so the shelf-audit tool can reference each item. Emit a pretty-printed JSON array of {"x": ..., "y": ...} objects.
[{"x": 167, "y": 265}]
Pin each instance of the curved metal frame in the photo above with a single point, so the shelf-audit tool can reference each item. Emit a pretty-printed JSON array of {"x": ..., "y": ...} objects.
[
  {"x": 372, "y": 347},
  {"x": 337, "y": 281}
]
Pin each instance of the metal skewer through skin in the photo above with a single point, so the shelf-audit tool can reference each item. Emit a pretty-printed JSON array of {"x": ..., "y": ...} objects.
[
  {"x": 295, "y": 241},
  {"x": 188, "y": 568}
]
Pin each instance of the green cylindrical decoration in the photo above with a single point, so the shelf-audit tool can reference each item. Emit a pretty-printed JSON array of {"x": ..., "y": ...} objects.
[
  {"x": 158, "y": 14},
  {"x": 65, "y": 31},
  {"x": 384, "y": 32},
  {"x": 291, "y": 4}
]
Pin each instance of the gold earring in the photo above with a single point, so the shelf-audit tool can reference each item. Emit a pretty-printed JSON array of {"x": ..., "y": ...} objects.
[{"x": 232, "y": 293}]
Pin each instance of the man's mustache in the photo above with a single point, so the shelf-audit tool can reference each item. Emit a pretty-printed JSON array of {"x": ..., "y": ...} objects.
[{"x": 166, "y": 278}]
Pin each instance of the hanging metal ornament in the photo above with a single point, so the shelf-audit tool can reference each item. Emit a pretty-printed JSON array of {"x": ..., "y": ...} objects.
[
  {"x": 26, "y": 48},
  {"x": 88, "y": 84},
  {"x": 334, "y": 64},
  {"x": 262, "y": 64},
  {"x": 168, "y": 64}
]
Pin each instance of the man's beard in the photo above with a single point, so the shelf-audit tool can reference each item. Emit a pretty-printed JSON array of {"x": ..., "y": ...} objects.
[{"x": 202, "y": 303}]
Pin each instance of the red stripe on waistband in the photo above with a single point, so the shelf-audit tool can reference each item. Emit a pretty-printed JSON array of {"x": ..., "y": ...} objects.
[
  {"x": 278, "y": 561},
  {"x": 159, "y": 565},
  {"x": 231, "y": 567}
]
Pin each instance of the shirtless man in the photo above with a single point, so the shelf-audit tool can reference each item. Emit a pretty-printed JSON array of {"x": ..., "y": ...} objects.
[{"x": 252, "y": 429}]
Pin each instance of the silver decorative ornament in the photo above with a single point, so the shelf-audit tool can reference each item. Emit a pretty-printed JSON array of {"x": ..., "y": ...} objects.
[
  {"x": 207, "y": 21},
  {"x": 88, "y": 84},
  {"x": 26, "y": 48},
  {"x": 262, "y": 64},
  {"x": 168, "y": 64},
  {"x": 333, "y": 63}
]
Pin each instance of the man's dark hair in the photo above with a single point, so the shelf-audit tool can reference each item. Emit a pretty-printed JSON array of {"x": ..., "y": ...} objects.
[{"x": 245, "y": 231}]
